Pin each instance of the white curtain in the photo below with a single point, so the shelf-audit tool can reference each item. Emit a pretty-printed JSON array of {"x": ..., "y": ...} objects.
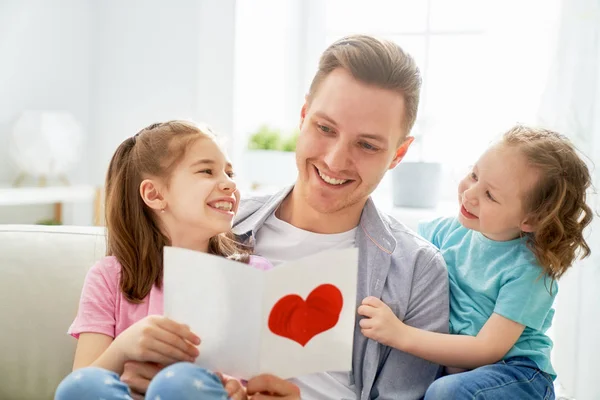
[{"x": 571, "y": 105}]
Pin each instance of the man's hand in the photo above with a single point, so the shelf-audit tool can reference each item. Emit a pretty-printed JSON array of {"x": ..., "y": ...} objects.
[
  {"x": 270, "y": 387},
  {"x": 381, "y": 323},
  {"x": 137, "y": 375}
]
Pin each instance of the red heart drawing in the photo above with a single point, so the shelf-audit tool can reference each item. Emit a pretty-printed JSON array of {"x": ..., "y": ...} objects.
[{"x": 299, "y": 320}]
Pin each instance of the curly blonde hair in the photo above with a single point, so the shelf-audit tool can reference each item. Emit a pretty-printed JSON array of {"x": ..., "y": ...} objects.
[{"x": 557, "y": 205}]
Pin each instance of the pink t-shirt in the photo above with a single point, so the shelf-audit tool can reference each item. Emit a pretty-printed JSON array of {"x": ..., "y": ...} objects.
[{"x": 104, "y": 309}]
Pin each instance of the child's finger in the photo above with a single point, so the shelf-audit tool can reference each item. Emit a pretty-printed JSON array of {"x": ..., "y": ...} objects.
[
  {"x": 372, "y": 301},
  {"x": 234, "y": 389},
  {"x": 365, "y": 323},
  {"x": 366, "y": 311},
  {"x": 368, "y": 333},
  {"x": 183, "y": 331},
  {"x": 221, "y": 378}
]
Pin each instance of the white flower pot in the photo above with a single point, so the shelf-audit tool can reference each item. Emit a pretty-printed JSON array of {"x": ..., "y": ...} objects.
[
  {"x": 264, "y": 168},
  {"x": 416, "y": 184}
]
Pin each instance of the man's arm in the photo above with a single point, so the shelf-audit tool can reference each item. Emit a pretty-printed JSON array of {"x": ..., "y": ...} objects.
[{"x": 404, "y": 376}]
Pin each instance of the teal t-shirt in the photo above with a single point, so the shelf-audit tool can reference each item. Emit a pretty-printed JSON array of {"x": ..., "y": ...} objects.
[{"x": 488, "y": 277}]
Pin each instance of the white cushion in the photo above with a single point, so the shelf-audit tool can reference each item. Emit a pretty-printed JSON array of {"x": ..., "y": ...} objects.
[{"x": 42, "y": 269}]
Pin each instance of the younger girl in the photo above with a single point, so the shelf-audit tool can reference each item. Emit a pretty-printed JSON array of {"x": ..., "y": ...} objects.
[
  {"x": 520, "y": 227},
  {"x": 170, "y": 184}
]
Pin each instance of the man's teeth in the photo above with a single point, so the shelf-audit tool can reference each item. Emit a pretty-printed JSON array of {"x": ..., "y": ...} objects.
[
  {"x": 223, "y": 205},
  {"x": 330, "y": 180}
]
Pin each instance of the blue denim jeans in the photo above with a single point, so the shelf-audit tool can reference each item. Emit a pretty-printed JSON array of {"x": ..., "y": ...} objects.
[
  {"x": 182, "y": 381},
  {"x": 514, "y": 378}
]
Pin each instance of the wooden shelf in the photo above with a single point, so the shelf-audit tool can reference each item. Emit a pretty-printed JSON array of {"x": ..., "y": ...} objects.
[
  {"x": 57, "y": 195},
  {"x": 14, "y": 196}
]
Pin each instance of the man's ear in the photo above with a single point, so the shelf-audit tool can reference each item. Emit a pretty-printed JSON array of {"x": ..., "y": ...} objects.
[
  {"x": 151, "y": 195},
  {"x": 401, "y": 152},
  {"x": 303, "y": 111}
]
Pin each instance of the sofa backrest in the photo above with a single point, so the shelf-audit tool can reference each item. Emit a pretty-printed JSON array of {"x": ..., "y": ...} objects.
[{"x": 42, "y": 269}]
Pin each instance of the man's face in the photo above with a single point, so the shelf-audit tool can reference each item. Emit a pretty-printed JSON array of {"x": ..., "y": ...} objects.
[{"x": 350, "y": 133}]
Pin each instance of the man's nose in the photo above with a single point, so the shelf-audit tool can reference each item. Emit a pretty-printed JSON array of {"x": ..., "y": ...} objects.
[{"x": 337, "y": 157}]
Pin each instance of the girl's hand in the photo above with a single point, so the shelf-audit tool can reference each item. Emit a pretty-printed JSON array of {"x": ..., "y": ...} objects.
[
  {"x": 157, "y": 339},
  {"x": 137, "y": 375},
  {"x": 234, "y": 388},
  {"x": 381, "y": 323}
]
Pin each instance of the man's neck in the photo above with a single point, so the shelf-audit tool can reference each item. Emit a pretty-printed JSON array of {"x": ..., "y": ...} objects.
[{"x": 296, "y": 211}]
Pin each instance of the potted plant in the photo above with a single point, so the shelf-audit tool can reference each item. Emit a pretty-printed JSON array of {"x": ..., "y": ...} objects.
[
  {"x": 416, "y": 181},
  {"x": 270, "y": 158}
]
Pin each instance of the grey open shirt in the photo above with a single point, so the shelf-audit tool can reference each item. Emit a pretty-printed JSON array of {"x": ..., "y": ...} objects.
[{"x": 397, "y": 266}]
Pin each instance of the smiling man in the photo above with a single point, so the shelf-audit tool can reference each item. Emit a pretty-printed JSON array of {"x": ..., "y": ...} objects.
[{"x": 355, "y": 126}]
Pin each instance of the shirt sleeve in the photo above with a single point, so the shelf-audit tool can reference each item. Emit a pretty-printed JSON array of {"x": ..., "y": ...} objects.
[
  {"x": 435, "y": 230},
  {"x": 96, "y": 313},
  {"x": 526, "y": 297},
  {"x": 260, "y": 263}
]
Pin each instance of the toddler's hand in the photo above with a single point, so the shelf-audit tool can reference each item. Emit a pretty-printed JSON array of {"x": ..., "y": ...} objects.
[{"x": 380, "y": 324}]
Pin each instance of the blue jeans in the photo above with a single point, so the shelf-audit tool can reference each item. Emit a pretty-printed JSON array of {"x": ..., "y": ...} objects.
[
  {"x": 514, "y": 378},
  {"x": 183, "y": 381}
]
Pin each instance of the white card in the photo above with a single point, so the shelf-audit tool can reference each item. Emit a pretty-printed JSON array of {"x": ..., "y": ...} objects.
[{"x": 295, "y": 319}]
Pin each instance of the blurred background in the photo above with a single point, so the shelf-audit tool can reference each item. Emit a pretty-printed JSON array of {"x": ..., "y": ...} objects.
[{"x": 79, "y": 76}]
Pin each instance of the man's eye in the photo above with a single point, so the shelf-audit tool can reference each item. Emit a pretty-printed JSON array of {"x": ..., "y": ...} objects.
[
  {"x": 325, "y": 128},
  {"x": 367, "y": 146}
]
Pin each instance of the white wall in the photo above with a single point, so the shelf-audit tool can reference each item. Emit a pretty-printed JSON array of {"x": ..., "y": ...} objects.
[
  {"x": 276, "y": 43},
  {"x": 45, "y": 64},
  {"x": 117, "y": 66},
  {"x": 152, "y": 62}
]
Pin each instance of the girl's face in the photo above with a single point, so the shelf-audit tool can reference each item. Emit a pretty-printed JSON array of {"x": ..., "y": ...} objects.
[
  {"x": 201, "y": 198},
  {"x": 492, "y": 195}
]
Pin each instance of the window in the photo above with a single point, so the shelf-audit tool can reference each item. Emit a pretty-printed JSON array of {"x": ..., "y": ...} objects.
[{"x": 483, "y": 66}]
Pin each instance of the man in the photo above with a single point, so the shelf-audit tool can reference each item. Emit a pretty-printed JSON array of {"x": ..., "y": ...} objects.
[{"x": 355, "y": 126}]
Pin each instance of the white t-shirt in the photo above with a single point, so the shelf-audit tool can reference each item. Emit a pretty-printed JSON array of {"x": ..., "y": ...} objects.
[{"x": 278, "y": 242}]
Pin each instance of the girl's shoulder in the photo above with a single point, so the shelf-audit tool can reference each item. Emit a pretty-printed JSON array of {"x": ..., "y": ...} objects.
[
  {"x": 260, "y": 263},
  {"x": 107, "y": 268}
]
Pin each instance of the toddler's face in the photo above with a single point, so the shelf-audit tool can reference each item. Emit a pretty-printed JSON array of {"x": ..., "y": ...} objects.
[{"x": 491, "y": 195}]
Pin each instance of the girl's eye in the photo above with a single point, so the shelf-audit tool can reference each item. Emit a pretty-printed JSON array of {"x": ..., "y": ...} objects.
[
  {"x": 473, "y": 176},
  {"x": 206, "y": 171},
  {"x": 231, "y": 174},
  {"x": 489, "y": 195}
]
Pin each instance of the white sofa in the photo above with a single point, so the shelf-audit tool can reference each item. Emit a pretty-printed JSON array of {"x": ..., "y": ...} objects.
[{"x": 41, "y": 273}]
